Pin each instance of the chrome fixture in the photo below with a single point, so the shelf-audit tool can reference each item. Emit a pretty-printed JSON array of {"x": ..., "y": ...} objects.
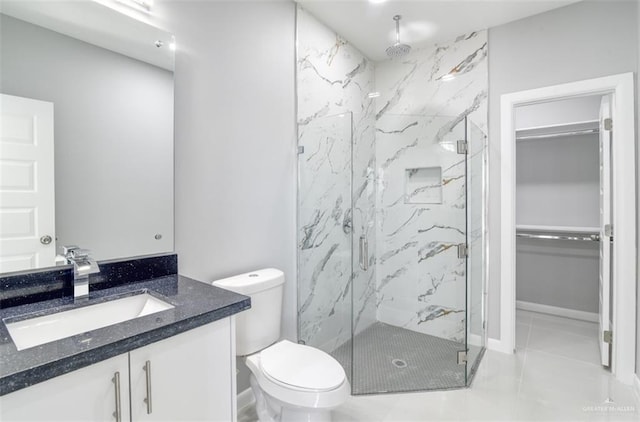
[
  {"x": 565, "y": 236},
  {"x": 83, "y": 265},
  {"x": 347, "y": 223},
  {"x": 364, "y": 253},
  {"x": 398, "y": 49},
  {"x": 558, "y": 134},
  {"x": 118, "y": 413}
]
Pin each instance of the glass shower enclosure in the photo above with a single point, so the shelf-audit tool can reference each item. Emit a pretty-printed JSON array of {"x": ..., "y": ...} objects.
[{"x": 391, "y": 239}]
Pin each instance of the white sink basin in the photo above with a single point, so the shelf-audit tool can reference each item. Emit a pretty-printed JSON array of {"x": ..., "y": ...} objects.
[{"x": 44, "y": 329}]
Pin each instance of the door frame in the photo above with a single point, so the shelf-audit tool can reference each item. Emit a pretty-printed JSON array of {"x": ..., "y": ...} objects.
[{"x": 623, "y": 291}]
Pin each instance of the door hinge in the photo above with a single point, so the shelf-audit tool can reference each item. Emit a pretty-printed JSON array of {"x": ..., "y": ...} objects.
[
  {"x": 608, "y": 124},
  {"x": 462, "y": 146},
  {"x": 300, "y": 150},
  {"x": 462, "y": 357},
  {"x": 463, "y": 250},
  {"x": 607, "y": 336}
]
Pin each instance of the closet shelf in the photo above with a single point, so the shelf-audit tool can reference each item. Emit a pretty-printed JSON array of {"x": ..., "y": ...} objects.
[{"x": 588, "y": 127}]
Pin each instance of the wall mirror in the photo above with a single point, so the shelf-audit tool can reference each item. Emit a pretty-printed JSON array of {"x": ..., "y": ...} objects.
[{"x": 86, "y": 147}]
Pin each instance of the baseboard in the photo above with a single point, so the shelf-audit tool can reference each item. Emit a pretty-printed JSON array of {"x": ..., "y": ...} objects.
[
  {"x": 475, "y": 340},
  {"x": 554, "y": 310},
  {"x": 498, "y": 346},
  {"x": 245, "y": 398}
]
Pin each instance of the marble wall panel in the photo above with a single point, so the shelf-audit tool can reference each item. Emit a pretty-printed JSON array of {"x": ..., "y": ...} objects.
[
  {"x": 358, "y": 154},
  {"x": 336, "y": 194},
  {"x": 421, "y": 282}
]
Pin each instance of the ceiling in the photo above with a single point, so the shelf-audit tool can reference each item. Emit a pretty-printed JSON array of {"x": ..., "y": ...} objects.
[
  {"x": 96, "y": 22},
  {"x": 369, "y": 26}
]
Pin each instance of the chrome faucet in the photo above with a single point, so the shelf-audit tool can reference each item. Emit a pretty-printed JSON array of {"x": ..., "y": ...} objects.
[{"x": 83, "y": 265}]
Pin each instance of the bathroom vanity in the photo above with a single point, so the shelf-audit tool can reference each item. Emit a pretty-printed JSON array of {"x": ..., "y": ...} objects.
[{"x": 177, "y": 363}]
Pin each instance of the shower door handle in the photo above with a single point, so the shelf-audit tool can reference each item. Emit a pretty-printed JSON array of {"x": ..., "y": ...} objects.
[{"x": 364, "y": 253}]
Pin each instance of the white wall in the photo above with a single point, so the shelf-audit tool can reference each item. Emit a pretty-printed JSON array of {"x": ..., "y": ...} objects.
[
  {"x": 235, "y": 140},
  {"x": 581, "y": 41},
  {"x": 551, "y": 113}
]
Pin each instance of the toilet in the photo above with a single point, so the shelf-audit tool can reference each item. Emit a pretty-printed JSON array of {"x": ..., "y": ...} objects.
[{"x": 291, "y": 382}]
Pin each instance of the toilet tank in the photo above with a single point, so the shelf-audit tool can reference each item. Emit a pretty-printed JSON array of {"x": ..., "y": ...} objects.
[{"x": 258, "y": 327}]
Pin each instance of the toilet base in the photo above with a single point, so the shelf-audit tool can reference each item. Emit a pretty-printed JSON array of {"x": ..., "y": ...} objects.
[{"x": 270, "y": 409}]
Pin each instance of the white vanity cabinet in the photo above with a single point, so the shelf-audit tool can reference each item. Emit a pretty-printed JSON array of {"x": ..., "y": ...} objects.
[
  {"x": 88, "y": 394},
  {"x": 190, "y": 376}
]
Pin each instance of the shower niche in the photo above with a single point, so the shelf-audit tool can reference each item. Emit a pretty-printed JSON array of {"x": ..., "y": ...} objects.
[
  {"x": 391, "y": 222},
  {"x": 423, "y": 185}
]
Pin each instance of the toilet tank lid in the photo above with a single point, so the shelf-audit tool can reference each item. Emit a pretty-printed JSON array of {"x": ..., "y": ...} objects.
[{"x": 252, "y": 282}]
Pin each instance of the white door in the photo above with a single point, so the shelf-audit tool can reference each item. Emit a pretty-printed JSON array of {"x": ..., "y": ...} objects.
[
  {"x": 87, "y": 394},
  {"x": 187, "y": 377},
  {"x": 605, "y": 224},
  {"x": 27, "y": 196}
]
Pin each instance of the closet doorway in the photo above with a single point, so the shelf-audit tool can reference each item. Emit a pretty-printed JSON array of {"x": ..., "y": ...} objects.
[
  {"x": 567, "y": 188},
  {"x": 563, "y": 227}
]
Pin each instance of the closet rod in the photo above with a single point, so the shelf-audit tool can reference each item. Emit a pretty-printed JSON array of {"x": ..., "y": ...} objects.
[
  {"x": 590, "y": 237},
  {"x": 557, "y": 134}
]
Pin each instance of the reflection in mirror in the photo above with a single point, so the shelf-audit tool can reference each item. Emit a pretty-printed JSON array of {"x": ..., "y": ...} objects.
[{"x": 86, "y": 147}]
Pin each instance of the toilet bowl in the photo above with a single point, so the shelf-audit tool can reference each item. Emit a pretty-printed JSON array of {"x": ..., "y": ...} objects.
[
  {"x": 296, "y": 382},
  {"x": 291, "y": 382}
]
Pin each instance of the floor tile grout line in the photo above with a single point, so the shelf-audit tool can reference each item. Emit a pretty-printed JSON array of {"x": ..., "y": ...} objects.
[
  {"x": 565, "y": 357},
  {"x": 565, "y": 331},
  {"x": 561, "y": 332}
]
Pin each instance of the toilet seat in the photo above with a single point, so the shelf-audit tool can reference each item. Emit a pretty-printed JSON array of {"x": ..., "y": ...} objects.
[
  {"x": 297, "y": 396},
  {"x": 301, "y": 367}
]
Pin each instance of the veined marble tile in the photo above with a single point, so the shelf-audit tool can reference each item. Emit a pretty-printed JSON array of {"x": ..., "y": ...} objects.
[
  {"x": 336, "y": 195},
  {"x": 422, "y": 285},
  {"x": 387, "y": 169}
]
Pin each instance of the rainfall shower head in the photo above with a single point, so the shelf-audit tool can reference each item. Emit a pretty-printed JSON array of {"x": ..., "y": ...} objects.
[{"x": 398, "y": 49}]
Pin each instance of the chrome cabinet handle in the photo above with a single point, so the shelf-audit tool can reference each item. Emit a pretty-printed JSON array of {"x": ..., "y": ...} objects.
[
  {"x": 364, "y": 253},
  {"x": 147, "y": 369},
  {"x": 118, "y": 413}
]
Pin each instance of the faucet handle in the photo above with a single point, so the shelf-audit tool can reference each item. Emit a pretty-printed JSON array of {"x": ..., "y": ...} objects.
[
  {"x": 73, "y": 251},
  {"x": 69, "y": 250}
]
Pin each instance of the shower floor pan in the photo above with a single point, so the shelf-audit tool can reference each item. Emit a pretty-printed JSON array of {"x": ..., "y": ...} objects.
[{"x": 390, "y": 359}]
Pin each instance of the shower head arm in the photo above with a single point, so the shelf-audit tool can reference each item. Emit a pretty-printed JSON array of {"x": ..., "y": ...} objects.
[{"x": 397, "y": 19}]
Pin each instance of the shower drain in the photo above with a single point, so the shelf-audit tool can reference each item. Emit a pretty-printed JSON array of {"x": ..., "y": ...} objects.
[{"x": 399, "y": 363}]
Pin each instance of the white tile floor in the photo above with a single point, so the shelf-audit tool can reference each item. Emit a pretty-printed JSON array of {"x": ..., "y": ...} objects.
[{"x": 554, "y": 376}]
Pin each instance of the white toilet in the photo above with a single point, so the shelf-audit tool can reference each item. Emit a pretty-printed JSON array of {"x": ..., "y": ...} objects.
[{"x": 291, "y": 382}]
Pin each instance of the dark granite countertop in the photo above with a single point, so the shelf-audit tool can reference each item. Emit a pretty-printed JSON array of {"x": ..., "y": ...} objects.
[{"x": 195, "y": 304}]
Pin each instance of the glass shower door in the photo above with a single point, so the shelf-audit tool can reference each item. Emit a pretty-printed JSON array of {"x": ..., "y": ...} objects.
[
  {"x": 324, "y": 231},
  {"x": 409, "y": 320},
  {"x": 476, "y": 217}
]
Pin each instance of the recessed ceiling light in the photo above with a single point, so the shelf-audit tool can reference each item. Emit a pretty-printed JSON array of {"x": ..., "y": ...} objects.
[{"x": 377, "y": 1}]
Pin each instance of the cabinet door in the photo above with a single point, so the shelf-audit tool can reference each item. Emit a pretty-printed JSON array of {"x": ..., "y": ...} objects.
[
  {"x": 187, "y": 377},
  {"x": 87, "y": 394}
]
